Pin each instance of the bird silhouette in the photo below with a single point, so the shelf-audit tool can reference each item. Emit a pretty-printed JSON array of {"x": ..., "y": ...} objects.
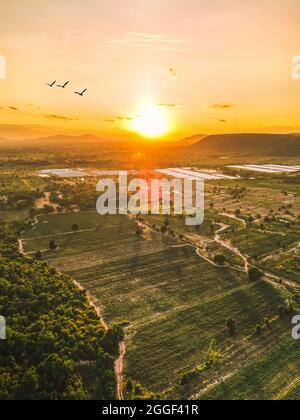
[
  {"x": 80, "y": 93},
  {"x": 63, "y": 86},
  {"x": 51, "y": 84}
]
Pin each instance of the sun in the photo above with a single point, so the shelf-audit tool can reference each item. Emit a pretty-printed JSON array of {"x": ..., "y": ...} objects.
[{"x": 151, "y": 122}]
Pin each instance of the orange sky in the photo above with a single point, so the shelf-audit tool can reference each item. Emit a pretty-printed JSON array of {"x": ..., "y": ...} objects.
[{"x": 219, "y": 65}]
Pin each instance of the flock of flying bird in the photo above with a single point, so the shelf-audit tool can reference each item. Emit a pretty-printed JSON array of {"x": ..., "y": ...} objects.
[{"x": 64, "y": 86}]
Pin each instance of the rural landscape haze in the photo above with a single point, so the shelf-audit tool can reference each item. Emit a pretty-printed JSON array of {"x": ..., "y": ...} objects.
[{"x": 135, "y": 306}]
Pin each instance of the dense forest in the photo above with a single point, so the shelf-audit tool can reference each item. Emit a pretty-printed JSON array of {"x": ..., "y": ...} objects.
[{"x": 56, "y": 347}]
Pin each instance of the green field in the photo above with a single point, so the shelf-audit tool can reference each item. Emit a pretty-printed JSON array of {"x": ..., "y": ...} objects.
[
  {"x": 8, "y": 216},
  {"x": 172, "y": 301},
  {"x": 254, "y": 242},
  {"x": 275, "y": 375}
]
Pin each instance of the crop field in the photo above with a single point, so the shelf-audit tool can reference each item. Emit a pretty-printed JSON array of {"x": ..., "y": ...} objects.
[
  {"x": 7, "y": 216},
  {"x": 24, "y": 181},
  {"x": 254, "y": 242},
  {"x": 178, "y": 341},
  {"x": 254, "y": 197},
  {"x": 274, "y": 376},
  {"x": 206, "y": 230},
  {"x": 285, "y": 264},
  {"x": 172, "y": 301}
]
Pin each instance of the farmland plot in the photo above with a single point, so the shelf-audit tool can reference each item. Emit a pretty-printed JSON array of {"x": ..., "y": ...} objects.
[
  {"x": 285, "y": 264},
  {"x": 274, "y": 376},
  {"x": 173, "y": 301},
  {"x": 254, "y": 242}
]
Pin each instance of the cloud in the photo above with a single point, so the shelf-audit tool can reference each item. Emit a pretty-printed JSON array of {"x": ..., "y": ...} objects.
[
  {"x": 221, "y": 106},
  {"x": 10, "y": 108},
  {"x": 168, "y": 105},
  {"x": 60, "y": 117},
  {"x": 149, "y": 40},
  {"x": 172, "y": 72},
  {"x": 118, "y": 118}
]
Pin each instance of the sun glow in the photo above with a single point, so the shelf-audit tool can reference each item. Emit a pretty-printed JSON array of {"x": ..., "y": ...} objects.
[{"x": 151, "y": 122}]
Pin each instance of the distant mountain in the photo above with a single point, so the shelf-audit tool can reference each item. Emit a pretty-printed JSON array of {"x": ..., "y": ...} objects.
[
  {"x": 249, "y": 145},
  {"x": 85, "y": 138},
  {"x": 65, "y": 141},
  {"x": 188, "y": 141}
]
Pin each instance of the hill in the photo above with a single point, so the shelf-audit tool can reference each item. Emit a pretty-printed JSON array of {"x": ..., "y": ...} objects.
[
  {"x": 249, "y": 145},
  {"x": 189, "y": 141}
]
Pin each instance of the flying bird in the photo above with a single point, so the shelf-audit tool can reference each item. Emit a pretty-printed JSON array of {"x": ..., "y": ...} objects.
[
  {"x": 81, "y": 93},
  {"x": 172, "y": 71},
  {"x": 63, "y": 86},
  {"x": 51, "y": 84}
]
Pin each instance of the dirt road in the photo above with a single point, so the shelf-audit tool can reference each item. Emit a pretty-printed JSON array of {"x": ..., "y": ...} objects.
[{"x": 119, "y": 365}]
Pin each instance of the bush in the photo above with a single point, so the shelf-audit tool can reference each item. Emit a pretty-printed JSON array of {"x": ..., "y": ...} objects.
[
  {"x": 231, "y": 325},
  {"x": 220, "y": 259},
  {"x": 255, "y": 274}
]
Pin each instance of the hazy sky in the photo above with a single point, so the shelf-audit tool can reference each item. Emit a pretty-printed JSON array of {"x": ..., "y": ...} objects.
[{"x": 223, "y": 65}]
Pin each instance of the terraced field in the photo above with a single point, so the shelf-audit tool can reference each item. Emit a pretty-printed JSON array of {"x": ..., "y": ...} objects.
[{"x": 173, "y": 302}]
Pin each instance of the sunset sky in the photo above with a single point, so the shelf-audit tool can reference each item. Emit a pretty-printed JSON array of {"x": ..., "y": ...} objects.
[{"x": 202, "y": 66}]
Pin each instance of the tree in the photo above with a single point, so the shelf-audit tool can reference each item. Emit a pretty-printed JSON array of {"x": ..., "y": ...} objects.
[
  {"x": 75, "y": 228},
  {"x": 52, "y": 245},
  {"x": 29, "y": 384},
  {"x": 219, "y": 259},
  {"x": 250, "y": 220},
  {"x": 55, "y": 328},
  {"x": 33, "y": 212},
  {"x": 237, "y": 212},
  {"x": 139, "y": 231},
  {"x": 113, "y": 337},
  {"x": 258, "y": 329},
  {"x": 38, "y": 255},
  {"x": 255, "y": 274},
  {"x": 48, "y": 209},
  {"x": 231, "y": 325},
  {"x": 129, "y": 386},
  {"x": 75, "y": 390},
  {"x": 163, "y": 229},
  {"x": 55, "y": 372}
]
